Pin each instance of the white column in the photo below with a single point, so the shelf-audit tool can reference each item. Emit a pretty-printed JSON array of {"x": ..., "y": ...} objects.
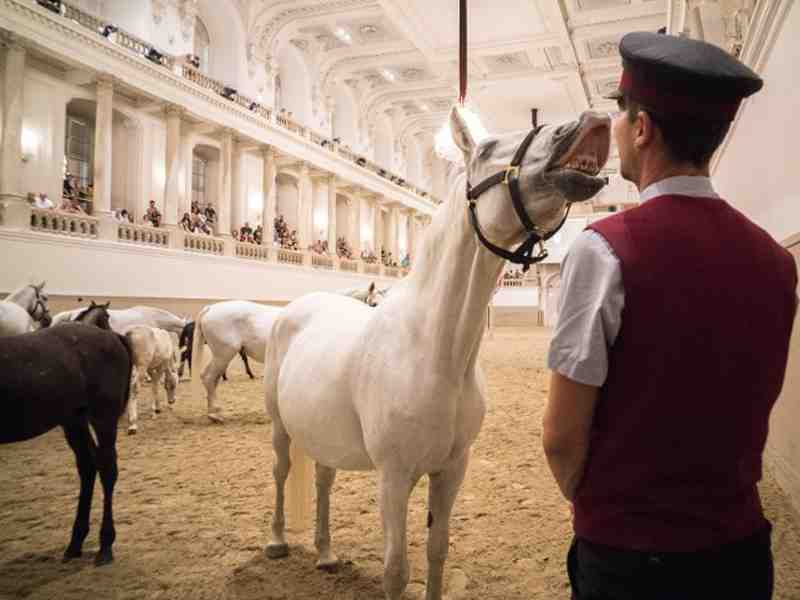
[
  {"x": 13, "y": 101},
  {"x": 331, "y": 179},
  {"x": 305, "y": 207},
  {"x": 411, "y": 233},
  {"x": 174, "y": 192},
  {"x": 391, "y": 243},
  {"x": 238, "y": 212},
  {"x": 269, "y": 193},
  {"x": 102, "y": 146},
  {"x": 224, "y": 208},
  {"x": 355, "y": 223},
  {"x": 377, "y": 229}
]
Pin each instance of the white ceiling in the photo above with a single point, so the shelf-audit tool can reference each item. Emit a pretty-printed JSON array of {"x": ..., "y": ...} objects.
[{"x": 559, "y": 56}]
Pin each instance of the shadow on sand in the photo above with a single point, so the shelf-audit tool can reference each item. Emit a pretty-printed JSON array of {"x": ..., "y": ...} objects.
[{"x": 23, "y": 575}]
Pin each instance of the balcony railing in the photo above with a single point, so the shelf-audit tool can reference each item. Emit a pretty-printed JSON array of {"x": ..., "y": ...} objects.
[
  {"x": 290, "y": 257},
  {"x": 63, "y": 223},
  {"x": 321, "y": 261},
  {"x": 143, "y": 235},
  {"x": 183, "y": 69},
  {"x": 205, "y": 244},
  {"x": 252, "y": 251}
]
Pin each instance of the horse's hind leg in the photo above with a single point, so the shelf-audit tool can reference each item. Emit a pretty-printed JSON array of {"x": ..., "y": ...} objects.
[
  {"x": 80, "y": 440},
  {"x": 327, "y": 560},
  {"x": 243, "y": 354},
  {"x": 442, "y": 493},
  {"x": 210, "y": 378},
  {"x": 106, "y": 432},
  {"x": 277, "y": 547}
]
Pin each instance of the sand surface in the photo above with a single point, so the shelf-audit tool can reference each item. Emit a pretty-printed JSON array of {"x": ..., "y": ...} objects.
[{"x": 193, "y": 503}]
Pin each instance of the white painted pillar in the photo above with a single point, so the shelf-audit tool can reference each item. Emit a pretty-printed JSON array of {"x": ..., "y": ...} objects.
[
  {"x": 377, "y": 229},
  {"x": 355, "y": 223},
  {"x": 331, "y": 179},
  {"x": 392, "y": 241},
  {"x": 224, "y": 204},
  {"x": 102, "y": 146},
  {"x": 17, "y": 212},
  {"x": 174, "y": 195},
  {"x": 238, "y": 211},
  {"x": 305, "y": 207},
  {"x": 411, "y": 232},
  {"x": 269, "y": 193}
]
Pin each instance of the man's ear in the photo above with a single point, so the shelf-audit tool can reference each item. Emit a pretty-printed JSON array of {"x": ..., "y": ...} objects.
[{"x": 644, "y": 129}]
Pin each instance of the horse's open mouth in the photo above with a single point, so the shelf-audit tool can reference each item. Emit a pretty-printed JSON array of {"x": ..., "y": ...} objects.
[{"x": 588, "y": 152}]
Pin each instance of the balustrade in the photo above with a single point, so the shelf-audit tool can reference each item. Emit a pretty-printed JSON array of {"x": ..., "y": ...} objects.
[
  {"x": 143, "y": 235},
  {"x": 348, "y": 265},
  {"x": 204, "y": 244},
  {"x": 62, "y": 223},
  {"x": 372, "y": 269},
  {"x": 252, "y": 251},
  {"x": 291, "y": 257},
  {"x": 321, "y": 261},
  {"x": 392, "y": 272}
]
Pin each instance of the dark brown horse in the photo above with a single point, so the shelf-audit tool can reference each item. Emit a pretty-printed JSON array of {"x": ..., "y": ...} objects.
[{"x": 72, "y": 375}]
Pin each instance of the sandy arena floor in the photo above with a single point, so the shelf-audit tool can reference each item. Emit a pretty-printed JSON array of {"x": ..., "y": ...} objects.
[{"x": 193, "y": 502}]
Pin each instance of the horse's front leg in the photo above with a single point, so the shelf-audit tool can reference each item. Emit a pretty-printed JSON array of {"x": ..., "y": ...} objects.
[
  {"x": 133, "y": 402},
  {"x": 327, "y": 560},
  {"x": 395, "y": 489},
  {"x": 442, "y": 493},
  {"x": 80, "y": 440}
]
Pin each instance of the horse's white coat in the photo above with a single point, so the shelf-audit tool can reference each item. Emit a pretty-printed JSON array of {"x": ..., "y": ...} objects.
[
  {"x": 154, "y": 354},
  {"x": 397, "y": 388},
  {"x": 227, "y": 327},
  {"x": 16, "y": 310},
  {"x": 122, "y": 320}
]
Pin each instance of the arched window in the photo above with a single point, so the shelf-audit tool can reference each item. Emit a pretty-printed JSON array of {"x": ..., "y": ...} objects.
[{"x": 202, "y": 44}]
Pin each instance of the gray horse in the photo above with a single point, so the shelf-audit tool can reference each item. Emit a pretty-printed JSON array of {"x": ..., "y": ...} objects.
[{"x": 22, "y": 309}]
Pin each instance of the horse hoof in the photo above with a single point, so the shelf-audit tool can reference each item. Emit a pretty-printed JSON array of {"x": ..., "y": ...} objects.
[
  {"x": 277, "y": 551},
  {"x": 330, "y": 565},
  {"x": 131, "y": 430},
  {"x": 158, "y": 411},
  {"x": 103, "y": 557},
  {"x": 215, "y": 418},
  {"x": 69, "y": 554}
]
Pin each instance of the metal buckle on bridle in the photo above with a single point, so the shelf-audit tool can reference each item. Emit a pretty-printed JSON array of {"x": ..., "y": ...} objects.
[{"x": 511, "y": 170}]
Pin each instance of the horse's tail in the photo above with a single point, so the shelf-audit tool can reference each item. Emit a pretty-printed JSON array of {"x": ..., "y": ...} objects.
[
  {"x": 126, "y": 341},
  {"x": 198, "y": 355},
  {"x": 298, "y": 484}
]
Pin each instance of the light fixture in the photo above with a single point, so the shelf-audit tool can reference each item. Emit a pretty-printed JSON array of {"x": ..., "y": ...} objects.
[
  {"x": 343, "y": 35},
  {"x": 29, "y": 144},
  {"x": 388, "y": 75},
  {"x": 424, "y": 107}
]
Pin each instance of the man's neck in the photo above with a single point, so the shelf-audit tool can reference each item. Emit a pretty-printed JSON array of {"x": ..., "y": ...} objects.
[{"x": 656, "y": 173}]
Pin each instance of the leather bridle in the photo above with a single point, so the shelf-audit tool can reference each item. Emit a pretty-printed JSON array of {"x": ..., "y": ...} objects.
[
  {"x": 523, "y": 255},
  {"x": 39, "y": 304}
]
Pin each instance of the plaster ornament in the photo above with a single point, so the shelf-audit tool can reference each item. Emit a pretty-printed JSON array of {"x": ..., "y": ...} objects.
[{"x": 159, "y": 8}]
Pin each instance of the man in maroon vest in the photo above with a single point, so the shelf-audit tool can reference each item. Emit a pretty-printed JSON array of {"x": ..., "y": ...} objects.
[{"x": 670, "y": 351}]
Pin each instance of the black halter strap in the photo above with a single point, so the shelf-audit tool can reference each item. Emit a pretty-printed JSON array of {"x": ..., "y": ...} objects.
[{"x": 523, "y": 255}]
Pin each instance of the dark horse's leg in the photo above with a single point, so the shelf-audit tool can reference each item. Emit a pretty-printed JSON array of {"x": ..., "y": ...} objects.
[
  {"x": 106, "y": 433},
  {"x": 82, "y": 444},
  {"x": 243, "y": 354}
]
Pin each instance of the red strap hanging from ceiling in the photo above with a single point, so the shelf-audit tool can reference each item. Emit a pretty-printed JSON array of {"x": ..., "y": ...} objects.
[{"x": 462, "y": 51}]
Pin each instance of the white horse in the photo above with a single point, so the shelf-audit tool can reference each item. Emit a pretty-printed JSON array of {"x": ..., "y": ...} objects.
[
  {"x": 240, "y": 327},
  {"x": 227, "y": 328},
  {"x": 124, "y": 319},
  {"x": 397, "y": 388},
  {"x": 24, "y": 307},
  {"x": 154, "y": 354}
]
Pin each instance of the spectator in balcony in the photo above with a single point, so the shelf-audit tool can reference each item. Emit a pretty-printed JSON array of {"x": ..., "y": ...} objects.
[
  {"x": 343, "y": 249},
  {"x": 235, "y": 234},
  {"x": 42, "y": 201},
  {"x": 211, "y": 214},
  {"x": 258, "y": 235},
  {"x": 152, "y": 215},
  {"x": 245, "y": 231},
  {"x": 71, "y": 205},
  {"x": 406, "y": 262},
  {"x": 186, "y": 223},
  {"x": 122, "y": 216}
]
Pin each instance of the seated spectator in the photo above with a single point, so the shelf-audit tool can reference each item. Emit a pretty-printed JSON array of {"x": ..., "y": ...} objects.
[
  {"x": 235, "y": 234},
  {"x": 245, "y": 231},
  {"x": 42, "y": 201},
  {"x": 69, "y": 187},
  {"x": 71, "y": 205},
  {"x": 406, "y": 262},
  {"x": 343, "y": 249},
  {"x": 195, "y": 207},
  {"x": 186, "y": 223},
  {"x": 258, "y": 235},
  {"x": 152, "y": 215},
  {"x": 211, "y": 214}
]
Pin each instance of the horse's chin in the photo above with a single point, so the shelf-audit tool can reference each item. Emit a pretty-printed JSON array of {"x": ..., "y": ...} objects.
[{"x": 574, "y": 185}]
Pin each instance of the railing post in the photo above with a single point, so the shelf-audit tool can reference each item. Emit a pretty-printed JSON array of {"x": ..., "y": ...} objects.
[
  {"x": 229, "y": 245},
  {"x": 15, "y": 214},
  {"x": 107, "y": 228},
  {"x": 176, "y": 237},
  {"x": 306, "y": 259},
  {"x": 360, "y": 267}
]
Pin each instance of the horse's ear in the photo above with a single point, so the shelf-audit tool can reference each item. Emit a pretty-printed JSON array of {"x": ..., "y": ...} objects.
[
  {"x": 92, "y": 305},
  {"x": 39, "y": 286},
  {"x": 107, "y": 304},
  {"x": 460, "y": 132},
  {"x": 371, "y": 287}
]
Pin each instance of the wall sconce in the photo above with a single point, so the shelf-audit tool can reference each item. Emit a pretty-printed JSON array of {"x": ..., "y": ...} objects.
[{"x": 29, "y": 143}]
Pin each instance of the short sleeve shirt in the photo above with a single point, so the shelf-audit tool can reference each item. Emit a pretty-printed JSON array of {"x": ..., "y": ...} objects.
[{"x": 593, "y": 294}]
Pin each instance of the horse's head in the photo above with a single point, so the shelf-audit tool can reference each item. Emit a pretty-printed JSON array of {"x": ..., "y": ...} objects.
[
  {"x": 374, "y": 296},
  {"x": 171, "y": 383},
  {"x": 37, "y": 306},
  {"x": 559, "y": 166},
  {"x": 96, "y": 314}
]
